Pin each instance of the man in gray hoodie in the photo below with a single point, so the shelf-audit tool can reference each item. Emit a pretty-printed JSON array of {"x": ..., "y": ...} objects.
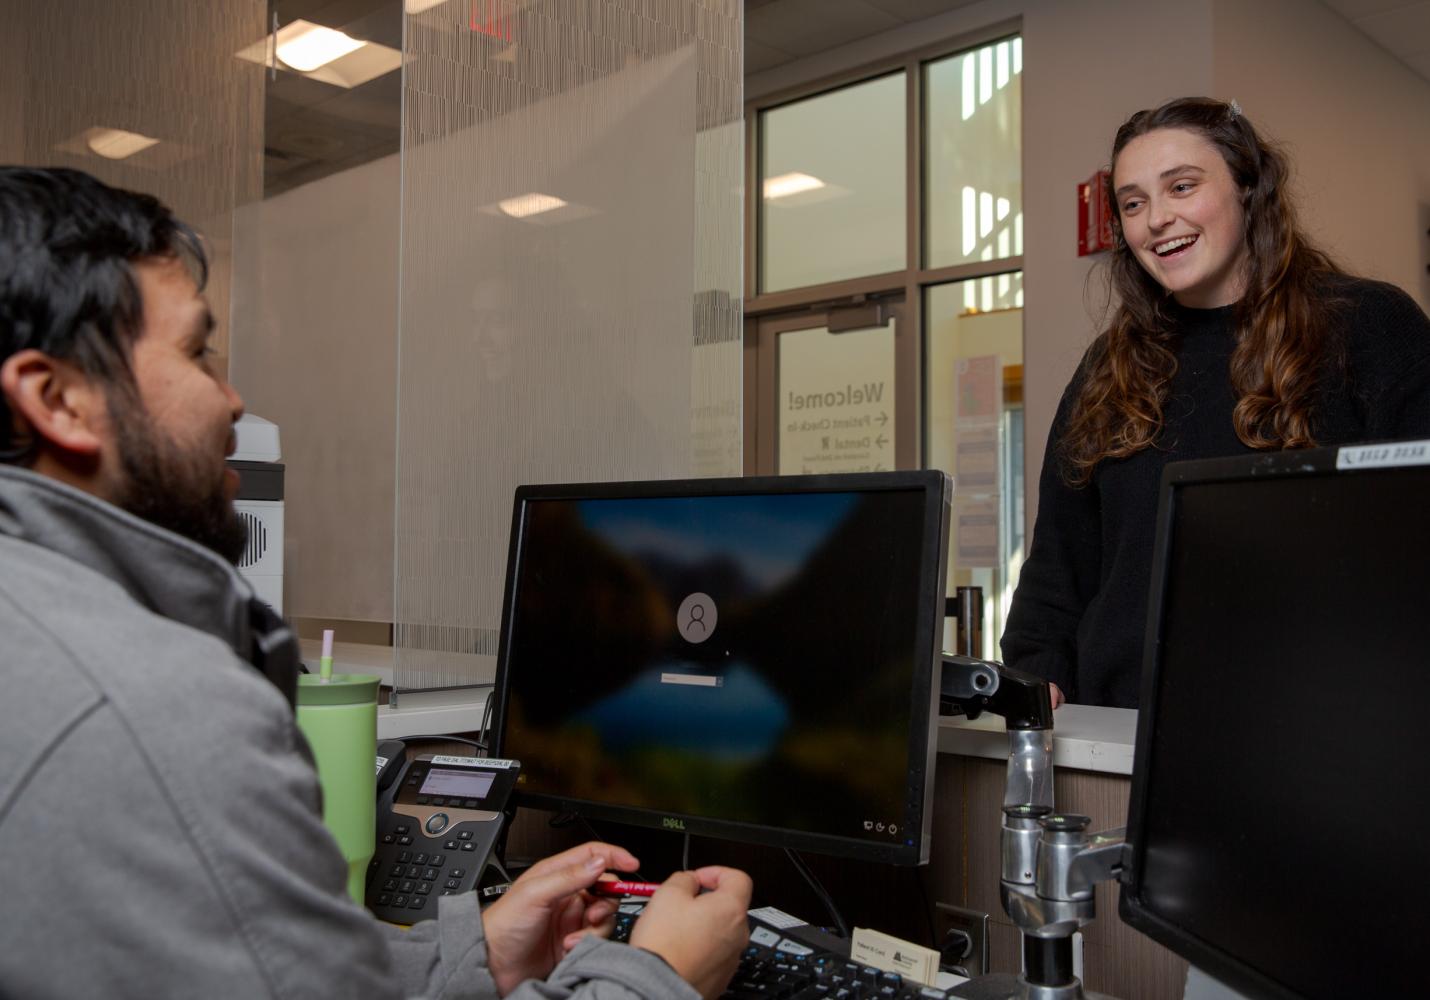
[{"x": 160, "y": 827}]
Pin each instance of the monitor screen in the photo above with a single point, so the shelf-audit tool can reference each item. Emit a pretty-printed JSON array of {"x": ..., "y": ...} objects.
[
  {"x": 743, "y": 658},
  {"x": 1278, "y": 803}
]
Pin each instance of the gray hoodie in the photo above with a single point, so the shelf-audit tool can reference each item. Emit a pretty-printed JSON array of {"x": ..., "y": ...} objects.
[{"x": 160, "y": 827}]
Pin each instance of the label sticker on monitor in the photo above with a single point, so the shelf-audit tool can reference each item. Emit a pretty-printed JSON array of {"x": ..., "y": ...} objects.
[{"x": 1383, "y": 456}]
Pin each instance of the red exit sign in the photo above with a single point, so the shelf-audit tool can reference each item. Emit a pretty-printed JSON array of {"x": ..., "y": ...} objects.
[{"x": 491, "y": 17}]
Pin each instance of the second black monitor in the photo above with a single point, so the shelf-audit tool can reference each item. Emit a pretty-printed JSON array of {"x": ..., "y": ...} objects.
[{"x": 1279, "y": 793}]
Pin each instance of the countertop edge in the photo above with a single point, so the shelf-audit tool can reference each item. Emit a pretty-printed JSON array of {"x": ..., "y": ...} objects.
[{"x": 1085, "y": 738}]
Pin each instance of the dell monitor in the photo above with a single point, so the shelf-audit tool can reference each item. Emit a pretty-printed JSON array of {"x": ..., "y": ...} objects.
[
  {"x": 1278, "y": 813},
  {"x": 752, "y": 659}
]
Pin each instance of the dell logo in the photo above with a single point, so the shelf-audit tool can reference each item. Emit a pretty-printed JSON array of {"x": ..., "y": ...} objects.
[{"x": 671, "y": 823}]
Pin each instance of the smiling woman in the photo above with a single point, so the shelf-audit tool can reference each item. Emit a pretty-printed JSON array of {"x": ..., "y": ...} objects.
[
  {"x": 1232, "y": 333},
  {"x": 1182, "y": 217}
]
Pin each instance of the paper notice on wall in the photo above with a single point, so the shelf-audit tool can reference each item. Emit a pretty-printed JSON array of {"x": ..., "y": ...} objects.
[
  {"x": 978, "y": 388},
  {"x": 975, "y": 461},
  {"x": 976, "y": 531},
  {"x": 978, "y": 409}
]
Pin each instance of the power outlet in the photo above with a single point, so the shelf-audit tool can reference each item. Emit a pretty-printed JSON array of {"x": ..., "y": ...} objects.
[{"x": 952, "y": 923}]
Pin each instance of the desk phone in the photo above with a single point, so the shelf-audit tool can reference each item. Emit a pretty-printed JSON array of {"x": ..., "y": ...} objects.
[{"x": 438, "y": 818}]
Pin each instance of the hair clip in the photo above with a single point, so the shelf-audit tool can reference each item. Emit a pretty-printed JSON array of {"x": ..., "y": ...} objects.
[{"x": 1233, "y": 109}]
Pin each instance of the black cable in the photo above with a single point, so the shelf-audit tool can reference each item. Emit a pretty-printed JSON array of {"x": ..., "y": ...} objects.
[
  {"x": 486, "y": 720},
  {"x": 590, "y": 827},
  {"x": 819, "y": 890},
  {"x": 928, "y": 908},
  {"x": 567, "y": 818},
  {"x": 445, "y": 739},
  {"x": 685, "y": 854}
]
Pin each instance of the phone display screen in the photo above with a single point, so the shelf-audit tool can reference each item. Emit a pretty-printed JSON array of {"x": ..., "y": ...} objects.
[{"x": 457, "y": 783}]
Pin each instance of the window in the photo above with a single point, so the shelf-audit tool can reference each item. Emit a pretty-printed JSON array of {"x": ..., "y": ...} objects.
[
  {"x": 896, "y": 192},
  {"x": 832, "y": 186},
  {"x": 973, "y": 139}
]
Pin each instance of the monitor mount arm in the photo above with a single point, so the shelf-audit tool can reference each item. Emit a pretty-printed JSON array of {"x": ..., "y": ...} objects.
[{"x": 1051, "y": 863}]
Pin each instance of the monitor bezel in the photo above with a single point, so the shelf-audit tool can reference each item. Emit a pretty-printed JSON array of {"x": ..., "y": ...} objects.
[
  {"x": 937, "y": 492},
  {"x": 1132, "y": 908}
]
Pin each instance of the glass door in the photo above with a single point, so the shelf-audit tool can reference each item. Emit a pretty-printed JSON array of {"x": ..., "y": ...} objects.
[{"x": 825, "y": 392}]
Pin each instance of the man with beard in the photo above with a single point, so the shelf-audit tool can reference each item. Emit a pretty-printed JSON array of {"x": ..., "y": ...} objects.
[{"x": 160, "y": 826}]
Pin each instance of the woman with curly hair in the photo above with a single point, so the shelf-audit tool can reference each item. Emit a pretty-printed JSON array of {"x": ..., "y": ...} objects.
[{"x": 1232, "y": 333}]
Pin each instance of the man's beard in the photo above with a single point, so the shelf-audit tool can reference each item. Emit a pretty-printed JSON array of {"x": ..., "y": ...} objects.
[{"x": 171, "y": 488}]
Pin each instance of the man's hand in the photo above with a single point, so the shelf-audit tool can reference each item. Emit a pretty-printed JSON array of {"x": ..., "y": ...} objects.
[
  {"x": 701, "y": 935},
  {"x": 547, "y": 910},
  {"x": 1056, "y": 693}
]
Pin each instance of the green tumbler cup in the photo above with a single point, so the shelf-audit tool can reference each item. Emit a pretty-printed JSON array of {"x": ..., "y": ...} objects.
[{"x": 338, "y": 715}]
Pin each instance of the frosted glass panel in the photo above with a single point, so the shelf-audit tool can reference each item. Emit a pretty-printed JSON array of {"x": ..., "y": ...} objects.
[
  {"x": 974, "y": 399},
  {"x": 836, "y": 400},
  {"x": 73, "y": 72},
  {"x": 973, "y": 176},
  {"x": 315, "y": 343},
  {"x": 561, "y": 165},
  {"x": 315, "y": 314},
  {"x": 832, "y": 169}
]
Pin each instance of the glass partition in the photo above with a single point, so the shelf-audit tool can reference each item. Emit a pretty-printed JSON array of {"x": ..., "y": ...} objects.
[
  {"x": 517, "y": 261},
  {"x": 315, "y": 318},
  {"x": 143, "y": 96}
]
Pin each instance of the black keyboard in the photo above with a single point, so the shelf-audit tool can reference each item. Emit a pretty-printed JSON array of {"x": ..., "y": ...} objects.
[{"x": 799, "y": 963}]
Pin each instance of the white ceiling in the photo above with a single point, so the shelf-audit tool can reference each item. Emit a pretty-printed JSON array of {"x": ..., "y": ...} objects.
[
  {"x": 1402, "y": 27},
  {"x": 779, "y": 31},
  {"x": 314, "y": 129}
]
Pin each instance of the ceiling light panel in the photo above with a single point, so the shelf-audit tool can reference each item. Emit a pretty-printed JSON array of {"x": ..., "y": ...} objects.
[
  {"x": 787, "y": 184},
  {"x": 534, "y": 203},
  {"x": 306, "y": 46},
  {"x": 116, "y": 143},
  {"x": 325, "y": 54}
]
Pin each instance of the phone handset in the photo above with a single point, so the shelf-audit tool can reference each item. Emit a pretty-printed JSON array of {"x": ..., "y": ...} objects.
[{"x": 391, "y": 756}]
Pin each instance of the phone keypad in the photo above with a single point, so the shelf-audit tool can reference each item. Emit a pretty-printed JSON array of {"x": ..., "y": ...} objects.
[
  {"x": 404, "y": 873},
  {"x": 441, "y": 853}
]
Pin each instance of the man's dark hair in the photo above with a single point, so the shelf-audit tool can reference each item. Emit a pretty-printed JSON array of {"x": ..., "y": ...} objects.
[{"x": 67, "y": 286}]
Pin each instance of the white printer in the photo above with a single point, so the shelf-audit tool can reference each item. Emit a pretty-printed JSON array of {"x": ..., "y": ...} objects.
[{"x": 260, "y": 505}]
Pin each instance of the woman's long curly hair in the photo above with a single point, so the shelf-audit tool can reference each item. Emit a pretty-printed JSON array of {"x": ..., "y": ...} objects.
[{"x": 1283, "y": 326}]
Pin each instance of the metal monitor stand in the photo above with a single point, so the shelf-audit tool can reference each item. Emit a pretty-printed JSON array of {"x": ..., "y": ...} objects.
[{"x": 1051, "y": 863}]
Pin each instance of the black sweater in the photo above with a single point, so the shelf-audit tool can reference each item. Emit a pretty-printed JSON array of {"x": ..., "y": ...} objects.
[{"x": 1080, "y": 610}]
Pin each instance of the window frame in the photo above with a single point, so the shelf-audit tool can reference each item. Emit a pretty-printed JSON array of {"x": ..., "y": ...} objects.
[{"x": 908, "y": 283}]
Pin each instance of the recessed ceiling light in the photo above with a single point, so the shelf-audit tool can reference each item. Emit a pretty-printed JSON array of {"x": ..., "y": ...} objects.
[
  {"x": 116, "y": 144},
  {"x": 534, "y": 203},
  {"x": 335, "y": 58},
  {"x": 306, "y": 46},
  {"x": 787, "y": 184}
]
